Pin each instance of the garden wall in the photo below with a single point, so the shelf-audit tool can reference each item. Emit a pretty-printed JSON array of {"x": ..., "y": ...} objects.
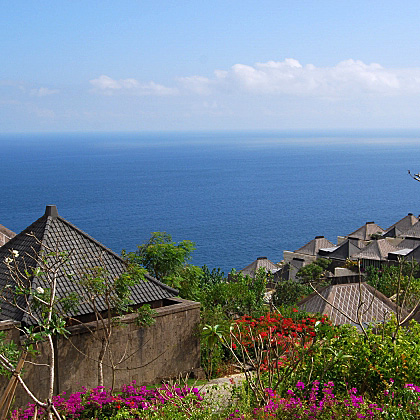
[{"x": 164, "y": 350}]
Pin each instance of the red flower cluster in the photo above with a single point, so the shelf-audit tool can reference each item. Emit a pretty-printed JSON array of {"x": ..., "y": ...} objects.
[{"x": 275, "y": 331}]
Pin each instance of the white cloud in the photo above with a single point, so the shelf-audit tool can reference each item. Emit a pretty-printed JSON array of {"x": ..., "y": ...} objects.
[
  {"x": 108, "y": 86},
  {"x": 42, "y": 91},
  {"x": 196, "y": 84},
  {"x": 348, "y": 78}
]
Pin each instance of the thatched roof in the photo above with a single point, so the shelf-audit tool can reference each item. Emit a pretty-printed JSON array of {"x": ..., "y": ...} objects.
[
  {"x": 312, "y": 247},
  {"x": 260, "y": 262},
  {"x": 366, "y": 231}
]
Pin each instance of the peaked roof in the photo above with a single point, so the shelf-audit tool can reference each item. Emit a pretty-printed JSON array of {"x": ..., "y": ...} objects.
[
  {"x": 260, "y": 262},
  {"x": 377, "y": 250},
  {"x": 364, "y": 232},
  {"x": 413, "y": 232},
  {"x": 393, "y": 232},
  {"x": 346, "y": 250},
  {"x": 405, "y": 223},
  {"x": 346, "y": 297},
  {"x": 312, "y": 247},
  {"x": 85, "y": 253},
  {"x": 5, "y": 235}
]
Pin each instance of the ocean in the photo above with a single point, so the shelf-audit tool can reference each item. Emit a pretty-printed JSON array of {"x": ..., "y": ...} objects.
[{"x": 237, "y": 195}]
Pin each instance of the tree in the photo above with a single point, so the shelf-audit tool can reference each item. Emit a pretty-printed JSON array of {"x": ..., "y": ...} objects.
[
  {"x": 162, "y": 257},
  {"x": 313, "y": 272},
  {"x": 290, "y": 292},
  {"x": 98, "y": 290},
  {"x": 32, "y": 289},
  {"x": 402, "y": 280}
]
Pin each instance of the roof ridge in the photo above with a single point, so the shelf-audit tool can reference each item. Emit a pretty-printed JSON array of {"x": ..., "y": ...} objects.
[
  {"x": 16, "y": 238},
  {"x": 46, "y": 230}
]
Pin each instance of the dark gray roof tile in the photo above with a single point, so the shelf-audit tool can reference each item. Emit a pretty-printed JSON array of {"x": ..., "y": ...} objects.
[{"x": 85, "y": 253}]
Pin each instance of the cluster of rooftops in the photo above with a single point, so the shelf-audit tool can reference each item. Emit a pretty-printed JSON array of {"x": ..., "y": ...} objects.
[{"x": 371, "y": 245}]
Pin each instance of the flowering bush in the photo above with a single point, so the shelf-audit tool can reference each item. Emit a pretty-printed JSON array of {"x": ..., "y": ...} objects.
[
  {"x": 317, "y": 401},
  {"x": 132, "y": 403},
  {"x": 273, "y": 329},
  {"x": 273, "y": 346},
  {"x": 349, "y": 359},
  {"x": 321, "y": 403}
]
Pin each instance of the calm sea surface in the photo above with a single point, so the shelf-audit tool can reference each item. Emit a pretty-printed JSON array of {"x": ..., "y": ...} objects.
[{"x": 236, "y": 195}]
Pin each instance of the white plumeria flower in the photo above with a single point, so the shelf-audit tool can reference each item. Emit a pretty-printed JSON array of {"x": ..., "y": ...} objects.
[
  {"x": 40, "y": 290},
  {"x": 15, "y": 253},
  {"x": 8, "y": 260}
]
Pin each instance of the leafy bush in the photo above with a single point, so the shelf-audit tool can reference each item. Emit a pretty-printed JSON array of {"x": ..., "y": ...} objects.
[
  {"x": 132, "y": 403},
  {"x": 312, "y": 273},
  {"x": 342, "y": 355},
  {"x": 319, "y": 401},
  {"x": 290, "y": 292},
  {"x": 316, "y": 400},
  {"x": 403, "y": 279}
]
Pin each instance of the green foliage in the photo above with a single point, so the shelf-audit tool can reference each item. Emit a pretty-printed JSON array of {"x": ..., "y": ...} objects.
[
  {"x": 211, "y": 278},
  {"x": 145, "y": 316},
  {"x": 290, "y": 292},
  {"x": 187, "y": 280},
  {"x": 9, "y": 350},
  {"x": 403, "y": 280},
  {"x": 211, "y": 336},
  {"x": 162, "y": 257},
  {"x": 342, "y": 355},
  {"x": 312, "y": 273}
]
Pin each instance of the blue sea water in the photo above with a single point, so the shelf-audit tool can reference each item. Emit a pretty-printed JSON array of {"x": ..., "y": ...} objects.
[{"x": 237, "y": 195}]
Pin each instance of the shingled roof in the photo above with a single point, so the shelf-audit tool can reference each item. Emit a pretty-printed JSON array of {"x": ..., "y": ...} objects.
[
  {"x": 377, "y": 250},
  {"x": 260, "y": 262},
  {"x": 404, "y": 224},
  {"x": 346, "y": 297},
  {"x": 5, "y": 235},
  {"x": 413, "y": 232},
  {"x": 312, "y": 247},
  {"x": 53, "y": 231},
  {"x": 364, "y": 232},
  {"x": 345, "y": 250}
]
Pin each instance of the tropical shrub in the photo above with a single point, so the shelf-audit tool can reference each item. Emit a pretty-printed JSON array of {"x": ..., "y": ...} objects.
[
  {"x": 319, "y": 401},
  {"x": 131, "y": 403},
  {"x": 342, "y": 355},
  {"x": 289, "y": 293}
]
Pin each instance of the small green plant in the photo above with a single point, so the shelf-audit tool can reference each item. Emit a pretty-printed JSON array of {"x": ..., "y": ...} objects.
[{"x": 145, "y": 316}]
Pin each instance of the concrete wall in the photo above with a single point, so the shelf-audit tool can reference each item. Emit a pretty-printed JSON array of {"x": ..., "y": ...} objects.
[
  {"x": 289, "y": 255},
  {"x": 5, "y": 235},
  {"x": 169, "y": 347}
]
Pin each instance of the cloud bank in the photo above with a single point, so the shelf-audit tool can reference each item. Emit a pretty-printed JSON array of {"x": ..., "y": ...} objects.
[
  {"x": 349, "y": 78},
  {"x": 108, "y": 86}
]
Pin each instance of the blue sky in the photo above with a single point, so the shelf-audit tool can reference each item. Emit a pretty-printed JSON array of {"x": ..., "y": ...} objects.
[{"x": 209, "y": 65}]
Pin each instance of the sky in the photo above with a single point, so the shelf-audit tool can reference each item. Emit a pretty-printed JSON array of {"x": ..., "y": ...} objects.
[{"x": 141, "y": 65}]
